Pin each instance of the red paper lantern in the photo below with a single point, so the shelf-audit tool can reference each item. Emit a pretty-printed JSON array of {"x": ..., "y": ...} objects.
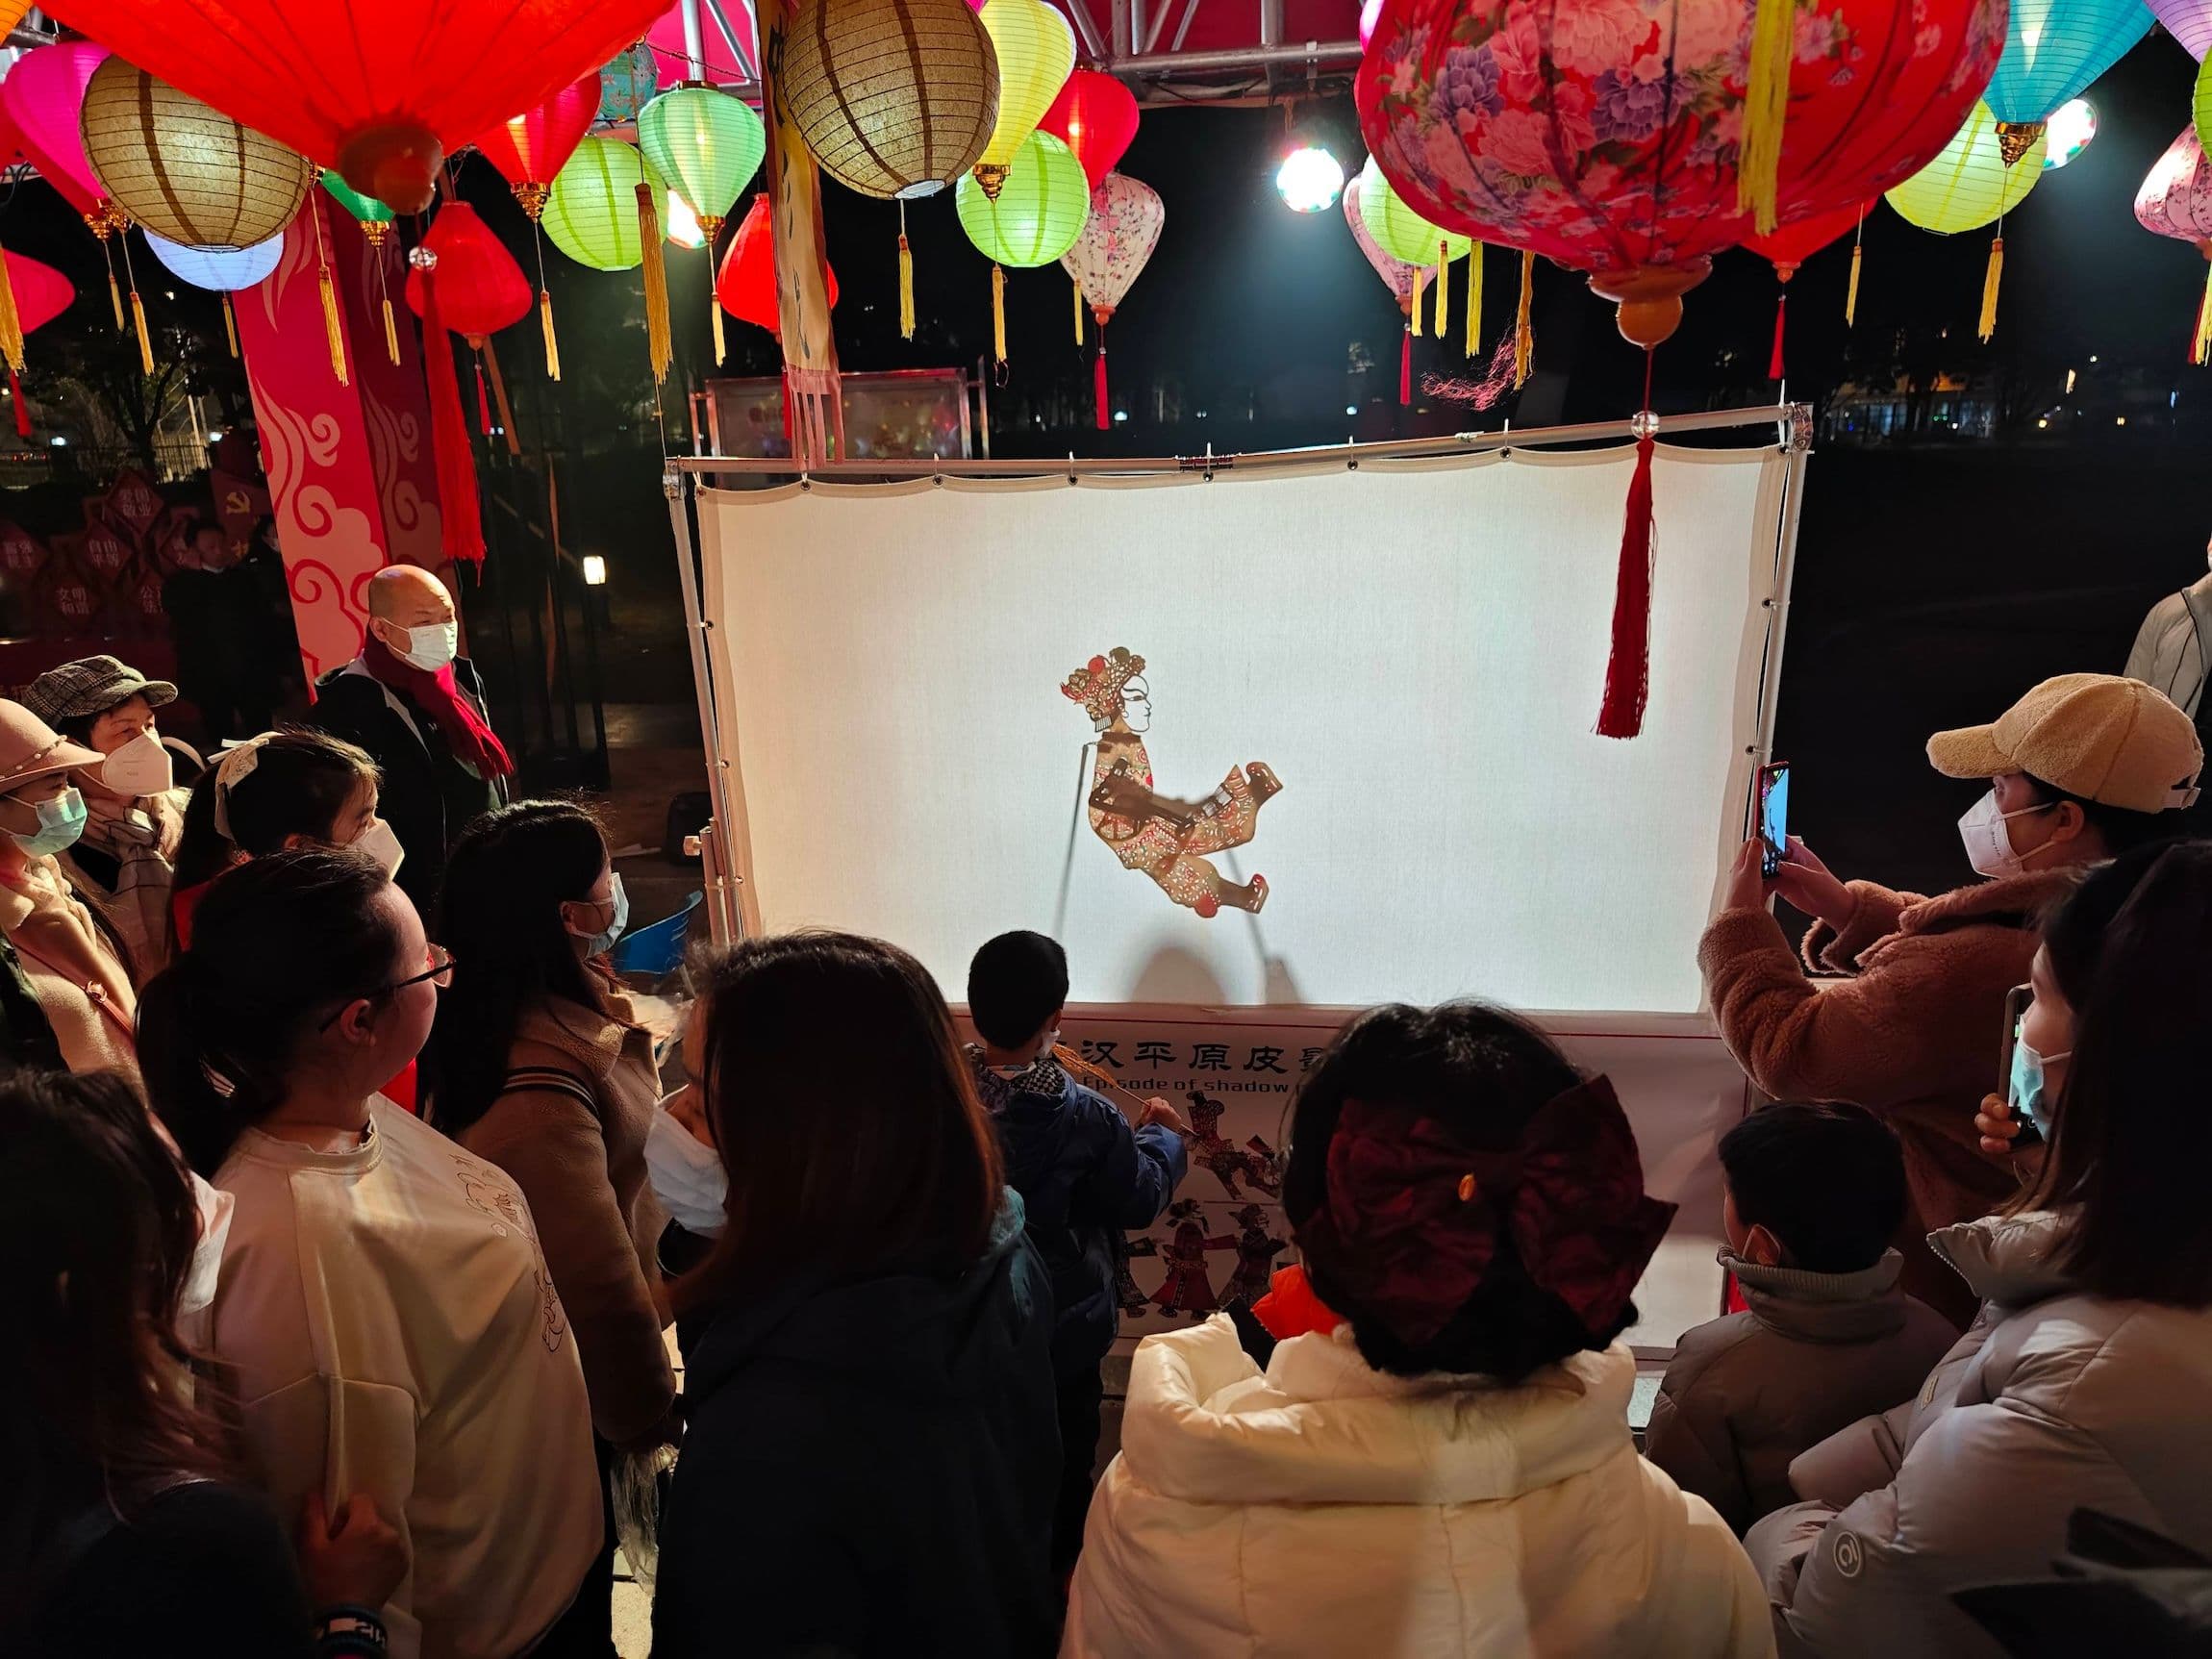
[
  {"x": 380, "y": 89},
  {"x": 746, "y": 283},
  {"x": 1096, "y": 117},
  {"x": 531, "y": 149},
  {"x": 1791, "y": 246},
  {"x": 481, "y": 288},
  {"x": 42, "y": 293}
]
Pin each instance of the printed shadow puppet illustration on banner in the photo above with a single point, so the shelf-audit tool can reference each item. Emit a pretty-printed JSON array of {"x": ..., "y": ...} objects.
[{"x": 1164, "y": 837}]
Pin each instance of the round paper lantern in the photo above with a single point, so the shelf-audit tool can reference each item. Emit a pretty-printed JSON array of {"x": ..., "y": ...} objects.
[
  {"x": 627, "y": 84},
  {"x": 591, "y": 213},
  {"x": 1039, "y": 210},
  {"x": 1118, "y": 239},
  {"x": 2176, "y": 201},
  {"x": 2187, "y": 21},
  {"x": 1036, "y": 53},
  {"x": 746, "y": 286},
  {"x": 530, "y": 149},
  {"x": 893, "y": 97},
  {"x": 1607, "y": 138},
  {"x": 1096, "y": 117},
  {"x": 1969, "y": 183},
  {"x": 707, "y": 144},
  {"x": 381, "y": 89},
  {"x": 2052, "y": 50},
  {"x": 222, "y": 270},
  {"x": 1397, "y": 230},
  {"x": 184, "y": 170},
  {"x": 372, "y": 215},
  {"x": 481, "y": 290},
  {"x": 44, "y": 97}
]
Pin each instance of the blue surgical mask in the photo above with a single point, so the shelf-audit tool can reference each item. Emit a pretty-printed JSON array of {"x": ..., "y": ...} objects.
[
  {"x": 601, "y": 942},
  {"x": 60, "y": 821},
  {"x": 2027, "y": 1092}
]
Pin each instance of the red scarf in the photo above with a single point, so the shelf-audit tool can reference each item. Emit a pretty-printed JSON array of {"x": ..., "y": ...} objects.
[{"x": 455, "y": 716}]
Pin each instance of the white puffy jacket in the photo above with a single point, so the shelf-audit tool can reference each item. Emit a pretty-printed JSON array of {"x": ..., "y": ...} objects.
[{"x": 1327, "y": 1509}]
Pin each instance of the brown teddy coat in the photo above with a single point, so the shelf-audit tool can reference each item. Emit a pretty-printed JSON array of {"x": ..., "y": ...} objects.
[{"x": 1913, "y": 1034}]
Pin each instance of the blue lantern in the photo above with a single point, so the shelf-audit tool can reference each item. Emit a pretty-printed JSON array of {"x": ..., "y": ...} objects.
[
  {"x": 225, "y": 270},
  {"x": 2054, "y": 49}
]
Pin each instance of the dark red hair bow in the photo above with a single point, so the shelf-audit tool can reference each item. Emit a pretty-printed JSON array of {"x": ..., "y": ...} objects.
[{"x": 1412, "y": 1217}]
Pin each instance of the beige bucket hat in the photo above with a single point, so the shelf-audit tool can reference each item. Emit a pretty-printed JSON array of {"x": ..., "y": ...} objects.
[
  {"x": 2100, "y": 737},
  {"x": 29, "y": 749}
]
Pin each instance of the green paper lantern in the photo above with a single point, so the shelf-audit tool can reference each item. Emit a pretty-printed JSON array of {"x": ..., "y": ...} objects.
[
  {"x": 591, "y": 214},
  {"x": 707, "y": 144},
  {"x": 1970, "y": 183},
  {"x": 1397, "y": 230},
  {"x": 1039, "y": 209}
]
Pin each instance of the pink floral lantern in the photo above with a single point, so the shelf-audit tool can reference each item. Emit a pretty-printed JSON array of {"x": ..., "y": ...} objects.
[
  {"x": 1118, "y": 239},
  {"x": 2176, "y": 201},
  {"x": 1397, "y": 275}
]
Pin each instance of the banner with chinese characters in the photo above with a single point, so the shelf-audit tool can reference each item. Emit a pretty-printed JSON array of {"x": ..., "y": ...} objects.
[{"x": 1233, "y": 1077}]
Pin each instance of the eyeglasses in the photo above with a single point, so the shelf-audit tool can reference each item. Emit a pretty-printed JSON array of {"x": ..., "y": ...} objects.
[{"x": 439, "y": 972}]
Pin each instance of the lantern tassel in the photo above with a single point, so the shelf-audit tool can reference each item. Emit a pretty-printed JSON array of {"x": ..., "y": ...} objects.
[
  {"x": 1442, "y": 289},
  {"x": 114, "y": 290},
  {"x": 1076, "y": 288},
  {"x": 1774, "y": 370},
  {"x": 1523, "y": 332},
  {"x": 552, "y": 345},
  {"x": 22, "y": 408},
  {"x": 1099, "y": 386},
  {"x": 483, "y": 402},
  {"x": 145, "y": 338},
  {"x": 905, "y": 278},
  {"x": 1852, "y": 293},
  {"x": 1766, "y": 107},
  {"x": 10, "y": 323},
  {"x": 2202, "y": 349},
  {"x": 659, "y": 345},
  {"x": 1419, "y": 295},
  {"x": 1405, "y": 368},
  {"x": 1628, "y": 668},
  {"x": 1474, "y": 299},
  {"x": 997, "y": 314},
  {"x": 229, "y": 325},
  {"x": 1989, "y": 286},
  {"x": 333, "y": 335},
  {"x": 391, "y": 332},
  {"x": 715, "y": 316},
  {"x": 461, "y": 515}
]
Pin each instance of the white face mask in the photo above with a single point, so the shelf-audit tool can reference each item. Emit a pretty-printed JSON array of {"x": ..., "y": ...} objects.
[
  {"x": 430, "y": 647},
  {"x": 688, "y": 1176},
  {"x": 140, "y": 768},
  {"x": 1988, "y": 842},
  {"x": 381, "y": 844}
]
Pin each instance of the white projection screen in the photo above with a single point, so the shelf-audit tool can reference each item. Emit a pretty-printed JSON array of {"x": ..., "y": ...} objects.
[{"x": 1417, "y": 649}]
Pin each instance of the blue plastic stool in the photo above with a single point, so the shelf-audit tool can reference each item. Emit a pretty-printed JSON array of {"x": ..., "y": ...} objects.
[{"x": 657, "y": 951}]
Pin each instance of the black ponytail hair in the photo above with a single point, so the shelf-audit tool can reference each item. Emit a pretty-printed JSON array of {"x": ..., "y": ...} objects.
[{"x": 277, "y": 944}]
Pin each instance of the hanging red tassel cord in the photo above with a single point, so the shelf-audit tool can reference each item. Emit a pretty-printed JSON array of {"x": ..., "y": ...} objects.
[
  {"x": 1098, "y": 383},
  {"x": 1782, "y": 311},
  {"x": 22, "y": 408},
  {"x": 483, "y": 402},
  {"x": 1628, "y": 669},
  {"x": 1405, "y": 368},
  {"x": 462, "y": 522}
]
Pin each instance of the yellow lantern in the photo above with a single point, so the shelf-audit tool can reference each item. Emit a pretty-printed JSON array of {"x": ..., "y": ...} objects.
[
  {"x": 185, "y": 170},
  {"x": 893, "y": 97},
  {"x": 1036, "y": 55},
  {"x": 1970, "y": 182}
]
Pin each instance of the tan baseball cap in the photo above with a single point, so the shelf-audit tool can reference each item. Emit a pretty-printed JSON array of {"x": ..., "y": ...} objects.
[{"x": 2102, "y": 737}]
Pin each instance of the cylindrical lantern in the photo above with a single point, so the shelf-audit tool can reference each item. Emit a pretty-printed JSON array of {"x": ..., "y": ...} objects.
[
  {"x": 530, "y": 149},
  {"x": 1038, "y": 210},
  {"x": 185, "y": 170},
  {"x": 480, "y": 288},
  {"x": 1969, "y": 183},
  {"x": 2176, "y": 201},
  {"x": 1036, "y": 53},
  {"x": 746, "y": 283},
  {"x": 893, "y": 97},
  {"x": 2054, "y": 49},
  {"x": 1096, "y": 117},
  {"x": 707, "y": 144},
  {"x": 591, "y": 213},
  {"x": 221, "y": 270}
]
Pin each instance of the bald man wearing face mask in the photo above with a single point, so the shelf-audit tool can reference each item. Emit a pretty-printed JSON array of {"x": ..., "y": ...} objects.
[{"x": 419, "y": 710}]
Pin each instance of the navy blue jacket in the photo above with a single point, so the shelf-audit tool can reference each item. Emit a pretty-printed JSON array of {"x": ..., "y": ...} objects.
[
  {"x": 870, "y": 1468},
  {"x": 1084, "y": 1179}
]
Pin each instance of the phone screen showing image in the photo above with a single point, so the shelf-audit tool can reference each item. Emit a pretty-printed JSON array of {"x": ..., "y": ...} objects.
[{"x": 1774, "y": 816}]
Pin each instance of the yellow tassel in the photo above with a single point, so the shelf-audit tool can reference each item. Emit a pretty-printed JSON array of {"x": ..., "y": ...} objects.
[
  {"x": 333, "y": 335},
  {"x": 1766, "y": 107},
  {"x": 2202, "y": 352},
  {"x": 229, "y": 325},
  {"x": 552, "y": 345},
  {"x": 1076, "y": 288},
  {"x": 391, "y": 332},
  {"x": 997, "y": 314},
  {"x": 1524, "y": 334},
  {"x": 905, "y": 284},
  {"x": 659, "y": 348},
  {"x": 145, "y": 336},
  {"x": 1474, "y": 299},
  {"x": 1989, "y": 286},
  {"x": 1852, "y": 293},
  {"x": 1419, "y": 293},
  {"x": 1442, "y": 289},
  {"x": 116, "y": 298},
  {"x": 10, "y": 323},
  {"x": 721, "y": 344}
]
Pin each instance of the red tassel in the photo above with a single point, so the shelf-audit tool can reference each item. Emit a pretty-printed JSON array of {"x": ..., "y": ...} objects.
[
  {"x": 22, "y": 408},
  {"x": 1628, "y": 669},
  {"x": 460, "y": 513},
  {"x": 483, "y": 402},
  {"x": 1405, "y": 369},
  {"x": 1781, "y": 310},
  {"x": 1099, "y": 385}
]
